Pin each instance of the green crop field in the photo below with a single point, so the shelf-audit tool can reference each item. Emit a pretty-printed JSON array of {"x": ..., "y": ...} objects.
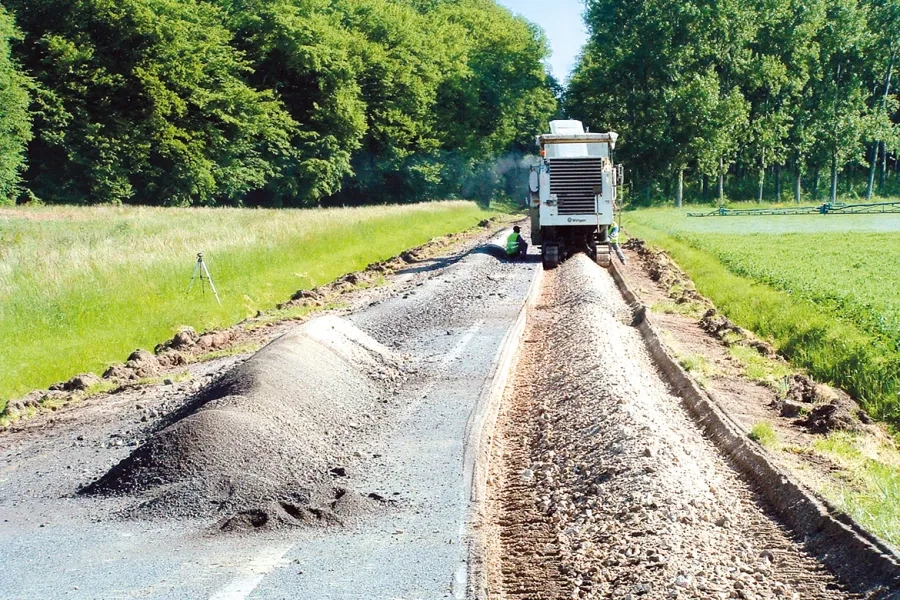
[
  {"x": 822, "y": 288},
  {"x": 82, "y": 287}
]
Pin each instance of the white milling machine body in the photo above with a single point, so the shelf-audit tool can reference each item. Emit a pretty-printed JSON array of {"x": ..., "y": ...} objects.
[{"x": 573, "y": 193}]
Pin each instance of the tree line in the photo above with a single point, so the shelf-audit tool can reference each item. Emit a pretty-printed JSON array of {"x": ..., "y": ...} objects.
[
  {"x": 758, "y": 91},
  {"x": 264, "y": 102}
]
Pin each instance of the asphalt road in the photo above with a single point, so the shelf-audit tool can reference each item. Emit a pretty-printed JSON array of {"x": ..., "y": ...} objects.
[{"x": 450, "y": 323}]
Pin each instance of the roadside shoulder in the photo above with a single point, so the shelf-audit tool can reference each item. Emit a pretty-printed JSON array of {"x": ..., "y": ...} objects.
[{"x": 746, "y": 401}]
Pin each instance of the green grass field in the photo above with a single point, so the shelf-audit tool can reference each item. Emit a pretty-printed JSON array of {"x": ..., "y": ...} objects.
[
  {"x": 80, "y": 288},
  {"x": 822, "y": 288}
]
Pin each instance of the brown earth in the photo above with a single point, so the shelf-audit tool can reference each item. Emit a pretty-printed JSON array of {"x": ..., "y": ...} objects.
[{"x": 799, "y": 407}]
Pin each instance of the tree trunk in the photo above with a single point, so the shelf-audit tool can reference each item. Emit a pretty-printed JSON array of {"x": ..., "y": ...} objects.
[
  {"x": 762, "y": 183},
  {"x": 882, "y": 168},
  {"x": 798, "y": 182},
  {"x": 875, "y": 146},
  {"x": 834, "y": 177},
  {"x": 705, "y": 187},
  {"x": 872, "y": 163},
  {"x": 777, "y": 183},
  {"x": 679, "y": 188}
]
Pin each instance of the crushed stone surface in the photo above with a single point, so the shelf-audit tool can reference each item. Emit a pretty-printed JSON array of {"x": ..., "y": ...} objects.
[{"x": 605, "y": 488}]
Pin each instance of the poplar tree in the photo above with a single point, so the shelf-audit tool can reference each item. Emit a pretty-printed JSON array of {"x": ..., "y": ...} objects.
[{"x": 15, "y": 121}]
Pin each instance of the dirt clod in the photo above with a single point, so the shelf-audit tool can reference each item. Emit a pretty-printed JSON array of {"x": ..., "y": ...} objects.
[
  {"x": 790, "y": 410},
  {"x": 802, "y": 389},
  {"x": 142, "y": 364},
  {"x": 80, "y": 383},
  {"x": 214, "y": 340},
  {"x": 825, "y": 418},
  {"x": 718, "y": 324},
  {"x": 764, "y": 348},
  {"x": 185, "y": 338}
]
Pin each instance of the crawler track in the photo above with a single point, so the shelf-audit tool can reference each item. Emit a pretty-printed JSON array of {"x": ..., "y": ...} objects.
[{"x": 605, "y": 488}]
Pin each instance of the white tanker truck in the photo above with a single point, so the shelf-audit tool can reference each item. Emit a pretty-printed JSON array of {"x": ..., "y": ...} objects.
[{"x": 573, "y": 193}]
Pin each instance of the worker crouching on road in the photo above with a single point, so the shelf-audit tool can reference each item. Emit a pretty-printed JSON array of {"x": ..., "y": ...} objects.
[
  {"x": 515, "y": 244},
  {"x": 613, "y": 234}
]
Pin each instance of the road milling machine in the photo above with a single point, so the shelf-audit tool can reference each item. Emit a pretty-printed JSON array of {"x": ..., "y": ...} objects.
[{"x": 573, "y": 193}]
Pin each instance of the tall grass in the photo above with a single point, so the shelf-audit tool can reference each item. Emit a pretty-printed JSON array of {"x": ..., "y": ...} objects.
[
  {"x": 82, "y": 287},
  {"x": 837, "y": 346},
  {"x": 871, "y": 491}
]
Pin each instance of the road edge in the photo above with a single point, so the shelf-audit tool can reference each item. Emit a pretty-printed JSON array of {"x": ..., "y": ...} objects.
[
  {"x": 857, "y": 557},
  {"x": 479, "y": 442}
]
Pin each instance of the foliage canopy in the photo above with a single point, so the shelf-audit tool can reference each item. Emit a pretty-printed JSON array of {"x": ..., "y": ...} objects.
[
  {"x": 271, "y": 102},
  {"x": 746, "y": 87},
  {"x": 15, "y": 121}
]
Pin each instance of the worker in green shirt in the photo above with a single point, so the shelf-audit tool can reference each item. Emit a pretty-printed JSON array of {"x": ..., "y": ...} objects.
[
  {"x": 515, "y": 244},
  {"x": 613, "y": 235}
]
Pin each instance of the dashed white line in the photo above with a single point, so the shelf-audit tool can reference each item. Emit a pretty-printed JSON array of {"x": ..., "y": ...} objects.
[
  {"x": 255, "y": 571},
  {"x": 444, "y": 364}
]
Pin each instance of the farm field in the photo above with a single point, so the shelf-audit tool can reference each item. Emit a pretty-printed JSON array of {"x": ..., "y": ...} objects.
[
  {"x": 822, "y": 288},
  {"x": 80, "y": 288}
]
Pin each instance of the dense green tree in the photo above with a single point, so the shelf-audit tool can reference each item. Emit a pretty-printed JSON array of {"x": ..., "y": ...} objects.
[
  {"x": 403, "y": 60},
  {"x": 144, "y": 100},
  {"x": 301, "y": 50},
  {"x": 885, "y": 17},
  {"x": 664, "y": 76},
  {"x": 271, "y": 102},
  {"x": 750, "y": 86},
  {"x": 15, "y": 121},
  {"x": 451, "y": 86},
  {"x": 838, "y": 104}
]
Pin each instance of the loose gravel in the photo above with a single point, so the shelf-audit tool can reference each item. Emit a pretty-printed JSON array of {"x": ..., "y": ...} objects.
[
  {"x": 269, "y": 443},
  {"x": 605, "y": 488}
]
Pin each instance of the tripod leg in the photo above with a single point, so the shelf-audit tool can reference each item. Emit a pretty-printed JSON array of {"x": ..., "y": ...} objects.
[
  {"x": 194, "y": 276},
  {"x": 211, "y": 284}
]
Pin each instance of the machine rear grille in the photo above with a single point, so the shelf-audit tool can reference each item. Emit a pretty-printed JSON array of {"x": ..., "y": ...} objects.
[{"x": 574, "y": 181}]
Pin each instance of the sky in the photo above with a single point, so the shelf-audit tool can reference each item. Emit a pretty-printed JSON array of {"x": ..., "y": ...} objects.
[{"x": 561, "y": 21}]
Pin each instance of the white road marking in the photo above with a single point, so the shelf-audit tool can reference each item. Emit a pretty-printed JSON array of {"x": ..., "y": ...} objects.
[
  {"x": 444, "y": 364},
  {"x": 255, "y": 571}
]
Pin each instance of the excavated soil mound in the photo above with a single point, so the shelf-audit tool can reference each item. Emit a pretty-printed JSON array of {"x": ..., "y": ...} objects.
[{"x": 272, "y": 440}]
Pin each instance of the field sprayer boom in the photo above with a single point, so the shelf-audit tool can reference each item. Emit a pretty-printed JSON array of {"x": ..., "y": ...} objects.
[{"x": 823, "y": 209}]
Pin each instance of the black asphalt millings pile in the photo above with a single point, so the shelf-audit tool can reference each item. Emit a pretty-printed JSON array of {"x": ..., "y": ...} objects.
[{"x": 268, "y": 437}]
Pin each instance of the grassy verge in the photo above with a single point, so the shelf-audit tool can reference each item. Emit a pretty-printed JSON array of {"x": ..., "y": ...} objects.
[
  {"x": 833, "y": 349},
  {"x": 870, "y": 492},
  {"x": 807, "y": 294},
  {"x": 82, "y": 287}
]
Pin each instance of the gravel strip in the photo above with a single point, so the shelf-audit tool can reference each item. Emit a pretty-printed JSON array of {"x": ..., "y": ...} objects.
[{"x": 607, "y": 489}]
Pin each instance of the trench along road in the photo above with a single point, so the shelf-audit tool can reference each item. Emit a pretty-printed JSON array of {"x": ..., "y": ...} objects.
[
  {"x": 603, "y": 486},
  {"x": 600, "y": 485}
]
